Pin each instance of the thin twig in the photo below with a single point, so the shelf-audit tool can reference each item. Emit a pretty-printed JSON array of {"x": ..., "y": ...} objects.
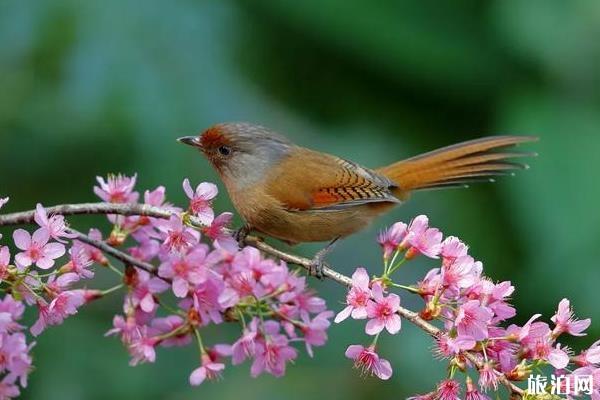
[
  {"x": 119, "y": 255},
  {"x": 27, "y": 217}
]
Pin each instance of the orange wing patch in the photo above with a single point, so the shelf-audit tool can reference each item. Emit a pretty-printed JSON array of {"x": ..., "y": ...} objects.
[{"x": 324, "y": 197}]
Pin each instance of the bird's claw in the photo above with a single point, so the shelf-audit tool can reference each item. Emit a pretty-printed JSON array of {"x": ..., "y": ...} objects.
[
  {"x": 241, "y": 234},
  {"x": 317, "y": 265}
]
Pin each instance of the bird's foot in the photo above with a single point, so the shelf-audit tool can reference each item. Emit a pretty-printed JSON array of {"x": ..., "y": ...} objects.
[
  {"x": 318, "y": 264},
  {"x": 241, "y": 234}
]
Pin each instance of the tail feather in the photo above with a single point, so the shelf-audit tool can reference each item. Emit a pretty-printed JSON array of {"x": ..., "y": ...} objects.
[{"x": 457, "y": 165}]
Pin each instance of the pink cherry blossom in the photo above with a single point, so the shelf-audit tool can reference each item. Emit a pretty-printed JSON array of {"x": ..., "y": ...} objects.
[
  {"x": 55, "y": 224},
  {"x": 452, "y": 248},
  {"x": 462, "y": 273},
  {"x": 177, "y": 236},
  {"x": 79, "y": 262},
  {"x": 428, "y": 243},
  {"x": 8, "y": 388},
  {"x": 369, "y": 362},
  {"x": 472, "y": 320},
  {"x": 63, "y": 305},
  {"x": 117, "y": 189},
  {"x": 357, "y": 298},
  {"x": 4, "y": 262},
  {"x": 205, "y": 300},
  {"x": 417, "y": 226},
  {"x": 126, "y": 327},
  {"x": 391, "y": 238},
  {"x": 382, "y": 312},
  {"x": 566, "y": 322},
  {"x": 171, "y": 324},
  {"x": 488, "y": 376},
  {"x": 155, "y": 197},
  {"x": 449, "y": 346},
  {"x": 244, "y": 347},
  {"x": 272, "y": 354},
  {"x": 558, "y": 356},
  {"x": 10, "y": 312},
  {"x": 36, "y": 249},
  {"x": 93, "y": 253},
  {"x": 15, "y": 359},
  {"x": 216, "y": 231},
  {"x": 59, "y": 283},
  {"x": 315, "y": 330},
  {"x": 522, "y": 334},
  {"x": 494, "y": 297},
  {"x": 588, "y": 357},
  {"x": 201, "y": 200},
  {"x": 185, "y": 270},
  {"x": 144, "y": 290},
  {"x": 422, "y": 239},
  {"x": 3, "y": 201},
  {"x": 448, "y": 389},
  {"x": 142, "y": 346},
  {"x": 208, "y": 370}
]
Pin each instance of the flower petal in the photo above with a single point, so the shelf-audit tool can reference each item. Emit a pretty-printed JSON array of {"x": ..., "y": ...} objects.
[
  {"x": 41, "y": 236},
  {"x": 374, "y": 326},
  {"x": 198, "y": 376},
  {"x": 354, "y": 350},
  {"x": 207, "y": 190},
  {"x": 22, "y": 239},
  {"x": 45, "y": 263},
  {"x": 180, "y": 287},
  {"x": 360, "y": 278},
  {"x": 187, "y": 188},
  {"x": 342, "y": 315},
  {"x": 383, "y": 369},
  {"x": 393, "y": 324},
  {"x": 40, "y": 216},
  {"x": 206, "y": 215},
  {"x": 54, "y": 250}
]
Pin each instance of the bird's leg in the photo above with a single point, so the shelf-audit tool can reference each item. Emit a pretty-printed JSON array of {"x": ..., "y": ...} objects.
[
  {"x": 240, "y": 235},
  {"x": 318, "y": 262}
]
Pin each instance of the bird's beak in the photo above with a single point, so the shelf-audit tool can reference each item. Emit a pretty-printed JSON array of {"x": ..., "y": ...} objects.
[{"x": 190, "y": 140}]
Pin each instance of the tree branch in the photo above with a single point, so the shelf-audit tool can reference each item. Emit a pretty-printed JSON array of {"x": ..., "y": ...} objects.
[
  {"x": 27, "y": 217},
  {"x": 119, "y": 255}
]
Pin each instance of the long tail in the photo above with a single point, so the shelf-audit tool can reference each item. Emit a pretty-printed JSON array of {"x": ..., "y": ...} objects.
[{"x": 457, "y": 165}]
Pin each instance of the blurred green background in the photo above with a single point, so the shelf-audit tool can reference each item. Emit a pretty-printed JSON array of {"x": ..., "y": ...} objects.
[{"x": 88, "y": 88}]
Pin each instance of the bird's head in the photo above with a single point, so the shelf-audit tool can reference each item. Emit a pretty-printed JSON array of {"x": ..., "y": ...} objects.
[{"x": 242, "y": 153}]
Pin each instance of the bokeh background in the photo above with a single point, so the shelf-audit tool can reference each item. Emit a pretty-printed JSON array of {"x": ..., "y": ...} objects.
[{"x": 88, "y": 88}]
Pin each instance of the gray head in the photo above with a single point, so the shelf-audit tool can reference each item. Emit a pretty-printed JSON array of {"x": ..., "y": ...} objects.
[{"x": 241, "y": 152}]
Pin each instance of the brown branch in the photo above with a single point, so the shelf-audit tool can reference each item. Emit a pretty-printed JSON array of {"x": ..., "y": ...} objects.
[
  {"x": 119, "y": 255},
  {"x": 27, "y": 217}
]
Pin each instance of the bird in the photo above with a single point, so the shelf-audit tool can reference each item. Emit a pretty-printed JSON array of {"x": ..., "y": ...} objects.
[{"x": 299, "y": 195}]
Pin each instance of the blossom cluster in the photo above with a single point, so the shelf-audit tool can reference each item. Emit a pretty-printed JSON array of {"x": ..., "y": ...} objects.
[
  {"x": 198, "y": 277},
  {"x": 472, "y": 311},
  {"x": 209, "y": 284}
]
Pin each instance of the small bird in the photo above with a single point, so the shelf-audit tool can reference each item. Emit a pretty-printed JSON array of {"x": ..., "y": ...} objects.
[{"x": 299, "y": 195}]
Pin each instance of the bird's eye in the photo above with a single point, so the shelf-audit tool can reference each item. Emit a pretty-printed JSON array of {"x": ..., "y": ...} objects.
[{"x": 224, "y": 150}]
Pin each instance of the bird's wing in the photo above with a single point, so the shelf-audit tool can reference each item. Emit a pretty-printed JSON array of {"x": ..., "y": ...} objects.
[{"x": 309, "y": 180}]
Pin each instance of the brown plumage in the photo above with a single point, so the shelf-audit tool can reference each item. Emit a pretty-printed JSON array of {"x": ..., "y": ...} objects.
[{"x": 301, "y": 195}]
